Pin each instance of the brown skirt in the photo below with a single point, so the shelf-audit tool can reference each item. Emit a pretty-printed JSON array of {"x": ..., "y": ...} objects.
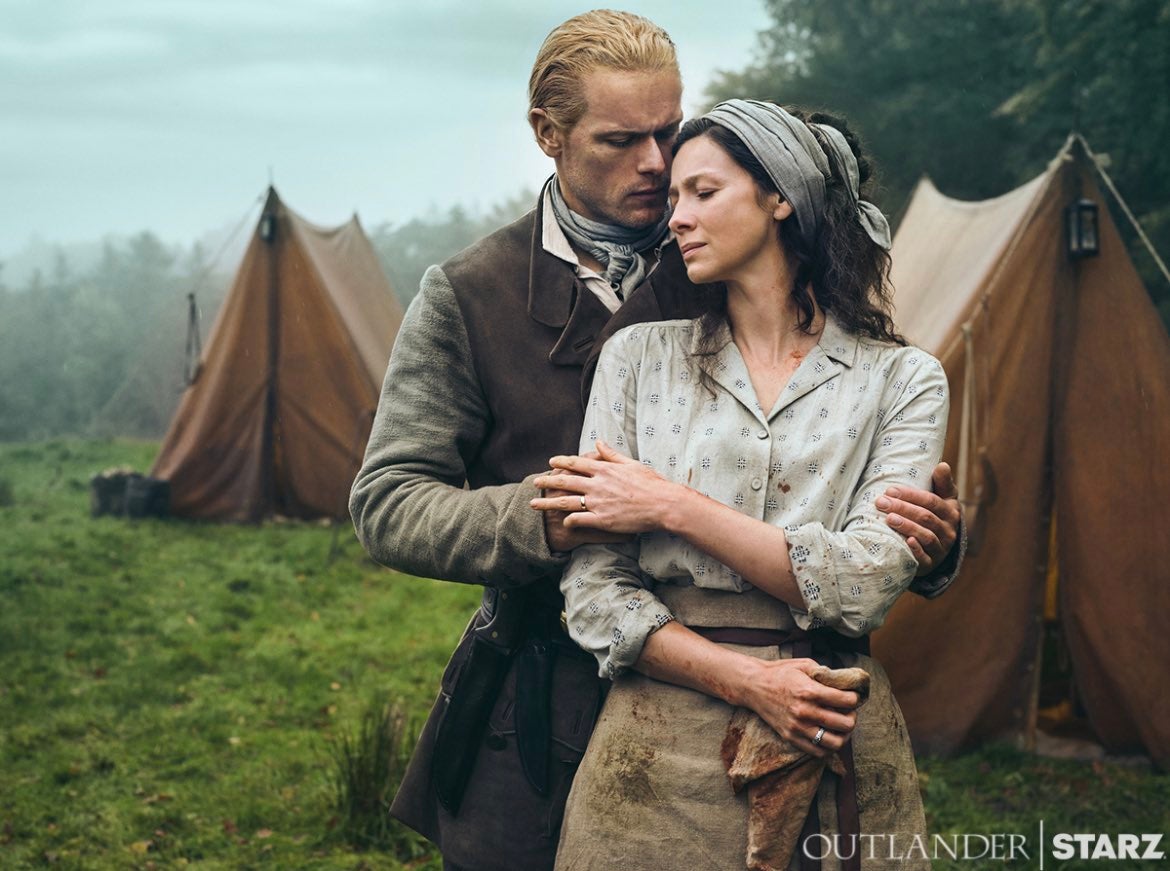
[{"x": 652, "y": 792}]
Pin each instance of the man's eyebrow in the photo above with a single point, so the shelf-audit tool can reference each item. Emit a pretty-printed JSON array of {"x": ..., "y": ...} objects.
[{"x": 623, "y": 131}]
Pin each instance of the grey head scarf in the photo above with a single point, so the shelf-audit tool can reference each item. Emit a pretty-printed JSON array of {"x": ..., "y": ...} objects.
[{"x": 797, "y": 164}]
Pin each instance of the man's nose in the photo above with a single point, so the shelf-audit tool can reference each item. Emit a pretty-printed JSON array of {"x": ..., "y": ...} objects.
[{"x": 653, "y": 158}]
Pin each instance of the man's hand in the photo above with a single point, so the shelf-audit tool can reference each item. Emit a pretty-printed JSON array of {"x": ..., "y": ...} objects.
[{"x": 928, "y": 520}]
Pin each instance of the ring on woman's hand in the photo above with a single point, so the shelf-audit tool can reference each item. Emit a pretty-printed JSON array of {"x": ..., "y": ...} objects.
[
  {"x": 819, "y": 735},
  {"x": 583, "y": 506}
]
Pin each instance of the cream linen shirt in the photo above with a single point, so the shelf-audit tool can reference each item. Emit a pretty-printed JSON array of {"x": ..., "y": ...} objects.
[{"x": 856, "y": 417}]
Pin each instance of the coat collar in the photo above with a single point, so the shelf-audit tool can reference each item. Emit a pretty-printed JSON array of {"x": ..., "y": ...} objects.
[
  {"x": 557, "y": 298},
  {"x": 552, "y": 284}
]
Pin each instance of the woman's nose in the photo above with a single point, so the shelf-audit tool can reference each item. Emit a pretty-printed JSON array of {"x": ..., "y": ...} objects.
[{"x": 680, "y": 217}]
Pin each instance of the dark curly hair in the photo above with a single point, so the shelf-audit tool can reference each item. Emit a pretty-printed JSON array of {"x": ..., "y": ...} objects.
[{"x": 847, "y": 271}]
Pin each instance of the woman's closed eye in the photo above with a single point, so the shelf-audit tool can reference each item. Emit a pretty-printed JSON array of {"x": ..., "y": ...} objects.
[{"x": 704, "y": 194}]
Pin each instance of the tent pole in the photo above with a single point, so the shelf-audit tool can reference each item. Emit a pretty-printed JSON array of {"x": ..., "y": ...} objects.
[
  {"x": 268, "y": 460},
  {"x": 1064, "y": 324}
]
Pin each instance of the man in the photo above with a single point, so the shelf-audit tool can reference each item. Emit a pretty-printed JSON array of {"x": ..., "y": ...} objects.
[{"x": 483, "y": 387}]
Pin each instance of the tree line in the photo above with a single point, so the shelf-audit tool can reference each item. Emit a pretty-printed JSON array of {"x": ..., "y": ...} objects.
[
  {"x": 980, "y": 94},
  {"x": 102, "y": 351}
]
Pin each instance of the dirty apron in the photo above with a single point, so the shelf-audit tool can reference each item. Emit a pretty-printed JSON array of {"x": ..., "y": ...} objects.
[{"x": 652, "y": 791}]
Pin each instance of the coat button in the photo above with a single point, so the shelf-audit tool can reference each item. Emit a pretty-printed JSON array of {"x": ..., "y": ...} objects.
[
  {"x": 762, "y": 434},
  {"x": 757, "y": 483},
  {"x": 495, "y": 741}
]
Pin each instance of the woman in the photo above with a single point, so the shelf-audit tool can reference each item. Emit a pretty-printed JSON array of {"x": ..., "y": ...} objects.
[{"x": 745, "y": 449}]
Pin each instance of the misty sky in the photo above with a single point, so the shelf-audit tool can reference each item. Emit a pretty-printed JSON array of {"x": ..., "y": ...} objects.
[{"x": 123, "y": 115}]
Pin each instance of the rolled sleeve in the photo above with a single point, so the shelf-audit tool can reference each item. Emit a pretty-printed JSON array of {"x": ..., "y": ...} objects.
[
  {"x": 609, "y": 603},
  {"x": 850, "y": 578}
]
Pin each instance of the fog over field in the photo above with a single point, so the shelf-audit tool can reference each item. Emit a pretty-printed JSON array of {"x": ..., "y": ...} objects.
[{"x": 131, "y": 115}]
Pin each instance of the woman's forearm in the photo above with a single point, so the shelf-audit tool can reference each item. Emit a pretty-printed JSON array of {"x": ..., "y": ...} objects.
[
  {"x": 623, "y": 496},
  {"x": 677, "y": 655},
  {"x": 782, "y": 692},
  {"x": 753, "y": 549}
]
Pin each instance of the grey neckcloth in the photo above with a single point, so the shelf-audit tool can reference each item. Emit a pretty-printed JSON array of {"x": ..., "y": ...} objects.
[
  {"x": 797, "y": 164},
  {"x": 613, "y": 246}
]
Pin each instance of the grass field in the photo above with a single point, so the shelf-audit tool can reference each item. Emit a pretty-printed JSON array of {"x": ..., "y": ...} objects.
[{"x": 172, "y": 694}]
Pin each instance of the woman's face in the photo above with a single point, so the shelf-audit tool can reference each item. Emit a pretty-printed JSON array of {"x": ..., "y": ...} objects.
[{"x": 726, "y": 231}]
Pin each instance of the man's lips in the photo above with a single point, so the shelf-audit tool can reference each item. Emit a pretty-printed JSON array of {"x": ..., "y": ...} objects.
[{"x": 652, "y": 193}]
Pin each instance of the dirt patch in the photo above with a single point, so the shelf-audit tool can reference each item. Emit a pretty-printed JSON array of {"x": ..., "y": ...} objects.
[{"x": 625, "y": 771}]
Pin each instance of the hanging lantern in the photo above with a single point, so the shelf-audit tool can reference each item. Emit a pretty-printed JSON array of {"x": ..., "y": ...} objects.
[{"x": 1080, "y": 219}]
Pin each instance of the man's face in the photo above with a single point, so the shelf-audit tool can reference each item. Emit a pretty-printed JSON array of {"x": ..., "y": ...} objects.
[{"x": 614, "y": 164}]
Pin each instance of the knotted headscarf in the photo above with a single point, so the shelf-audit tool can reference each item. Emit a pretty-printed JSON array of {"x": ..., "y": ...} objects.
[{"x": 797, "y": 164}]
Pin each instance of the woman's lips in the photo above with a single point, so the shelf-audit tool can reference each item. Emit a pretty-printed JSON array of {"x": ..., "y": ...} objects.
[{"x": 690, "y": 248}]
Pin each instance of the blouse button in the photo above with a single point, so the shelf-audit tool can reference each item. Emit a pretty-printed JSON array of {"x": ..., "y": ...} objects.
[
  {"x": 757, "y": 483},
  {"x": 762, "y": 434}
]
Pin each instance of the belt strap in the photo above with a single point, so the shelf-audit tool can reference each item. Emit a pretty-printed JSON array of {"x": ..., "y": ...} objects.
[
  {"x": 848, "y": 817},
  {"x": 818, "y": 641}
]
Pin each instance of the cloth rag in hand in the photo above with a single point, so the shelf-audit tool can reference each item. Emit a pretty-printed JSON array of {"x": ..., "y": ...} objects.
[{"x": 780, "y": 778}]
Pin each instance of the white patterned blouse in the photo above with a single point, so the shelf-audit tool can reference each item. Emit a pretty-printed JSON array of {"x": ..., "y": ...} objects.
[{"x": 856, "y": 417}]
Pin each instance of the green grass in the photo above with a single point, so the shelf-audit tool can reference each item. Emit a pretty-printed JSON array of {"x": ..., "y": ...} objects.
[
  {"x": 1000, "y": 789},
  {"x": 178, "y": 694},
  {"x": 171, "y": 692}
]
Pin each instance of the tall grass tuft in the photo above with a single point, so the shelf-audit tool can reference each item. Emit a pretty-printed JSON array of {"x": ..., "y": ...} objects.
[
  {"x": 6, "y": 497},
  {"x": 368, "y": 765}
]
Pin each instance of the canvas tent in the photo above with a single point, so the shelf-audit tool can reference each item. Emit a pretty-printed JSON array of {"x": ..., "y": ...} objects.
[
  {"x": 1060, "y": 432},
  {"x": 277, "y": 418}
]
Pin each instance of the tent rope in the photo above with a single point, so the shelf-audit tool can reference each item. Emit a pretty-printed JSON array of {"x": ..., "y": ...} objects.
[
  {"x": 191, "y": 368},
  {"x": 967, "y": 425},
  {"x": 193, "y": 362},
  {"x": 1124, "y": 207}
]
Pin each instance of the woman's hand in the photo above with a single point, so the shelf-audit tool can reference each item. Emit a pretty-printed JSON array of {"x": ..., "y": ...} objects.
[
  {"x": 782, "y": 692},
  {"x": 561, "y": 538},
  {"x": 612, "y": 492},
  {"x": 789, "y": 700}
]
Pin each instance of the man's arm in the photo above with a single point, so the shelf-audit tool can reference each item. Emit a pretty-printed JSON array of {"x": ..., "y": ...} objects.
[{"x": 408, "y": 503}]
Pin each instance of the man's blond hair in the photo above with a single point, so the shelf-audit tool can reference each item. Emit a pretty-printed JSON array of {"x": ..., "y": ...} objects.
[{"x": 601, "y": 38}]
